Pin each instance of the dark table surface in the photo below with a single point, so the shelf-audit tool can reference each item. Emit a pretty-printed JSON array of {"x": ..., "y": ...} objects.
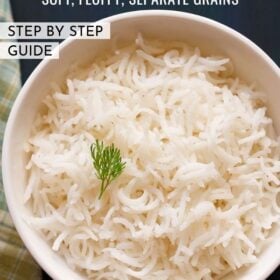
[{"x": 259, "y": 20}]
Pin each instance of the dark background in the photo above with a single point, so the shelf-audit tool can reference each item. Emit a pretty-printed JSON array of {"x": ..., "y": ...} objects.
[{"x": 259, "y": 20}]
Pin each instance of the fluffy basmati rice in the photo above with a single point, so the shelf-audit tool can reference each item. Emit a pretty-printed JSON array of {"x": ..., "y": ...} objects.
[{"x": 197, "y": 198}]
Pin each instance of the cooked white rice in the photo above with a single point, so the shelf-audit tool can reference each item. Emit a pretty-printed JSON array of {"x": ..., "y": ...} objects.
[{"x": 197, "y": 198}]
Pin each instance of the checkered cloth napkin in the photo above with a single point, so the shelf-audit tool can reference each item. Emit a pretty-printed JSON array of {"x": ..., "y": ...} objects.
[{"x": 15, "y": 261}]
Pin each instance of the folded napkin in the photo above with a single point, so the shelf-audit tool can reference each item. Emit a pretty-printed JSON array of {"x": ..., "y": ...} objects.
[{"x": 15, "y": 261}]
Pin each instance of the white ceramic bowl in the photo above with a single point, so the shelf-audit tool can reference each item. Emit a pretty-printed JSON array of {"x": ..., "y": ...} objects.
[{"x": 250, "y": 62}]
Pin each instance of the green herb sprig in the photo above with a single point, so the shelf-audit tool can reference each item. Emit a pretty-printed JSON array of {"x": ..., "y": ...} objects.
[{"x": 107, "y": 162}]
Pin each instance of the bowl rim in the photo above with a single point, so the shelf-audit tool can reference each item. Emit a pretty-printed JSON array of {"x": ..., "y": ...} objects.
[{"x": 17, "y": 220}]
